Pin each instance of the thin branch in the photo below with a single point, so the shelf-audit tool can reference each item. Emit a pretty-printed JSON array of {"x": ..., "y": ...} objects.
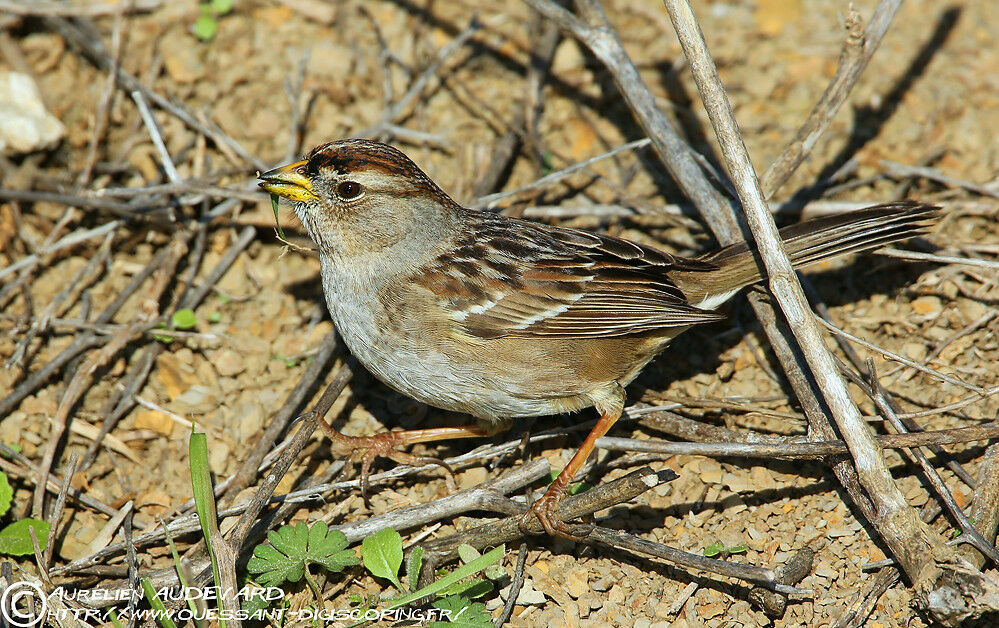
[
  {"x": 794, "y": 447},
  {"x": 922, "y": 555},
  {"x": 858, "y": 48}
]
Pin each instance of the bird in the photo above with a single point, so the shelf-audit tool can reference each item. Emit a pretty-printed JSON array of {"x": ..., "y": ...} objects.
[{"x": 502, "y": 318}]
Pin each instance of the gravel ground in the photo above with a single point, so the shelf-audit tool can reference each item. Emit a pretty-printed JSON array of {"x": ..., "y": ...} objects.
[{"x": 929, "y": 97}]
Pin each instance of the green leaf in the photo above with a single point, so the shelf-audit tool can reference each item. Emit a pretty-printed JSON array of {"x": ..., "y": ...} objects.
[
  {"x": 464, "y": 613},
  {"x": 469, "y": 588},
  {"x": 293, "y": 547},
  {"x": 214, "y": 317},
  {"x": 184, "y": 319},
  {"x": 714, "y": 549},
  {"x": 495, "y": 573},
  {"x": 205, "y": 27},
  {"x": 157, "y": 604},
  {"x": 413, "y": 566},
  {"x": 467, "y": 553},
  {"x": 736, "y": 549},
  {"x": 579, "y": 487},
  {"x": 382, "y": 554},
  {"x": 254, "y": 604},
  {"x": 546, "y": 163},
  {"x": 6, "y": 494},
  {"x": 114, "y": 618},
  {"x": 492, "y": 556},
  {"x": 328, "y": 548},
  {"x": 15, "y": 539},
  {"x": 221, "y": 7},
  {"x": 277, "y": 222}
]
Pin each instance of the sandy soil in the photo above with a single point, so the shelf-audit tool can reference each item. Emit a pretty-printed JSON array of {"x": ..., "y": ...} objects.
[{"x": 929, "y": 97}]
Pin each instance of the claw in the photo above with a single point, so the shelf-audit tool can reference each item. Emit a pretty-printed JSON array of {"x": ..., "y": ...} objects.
[
  {"x": 367, "y": 449},
  {"x": 546, "y": 510}
]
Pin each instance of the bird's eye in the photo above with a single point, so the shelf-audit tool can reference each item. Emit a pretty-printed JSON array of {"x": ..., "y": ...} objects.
[{"x": 348, "y": 190}]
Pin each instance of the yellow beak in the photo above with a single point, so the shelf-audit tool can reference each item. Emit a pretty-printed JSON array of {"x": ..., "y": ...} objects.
[{"x": 288, "y": 182}]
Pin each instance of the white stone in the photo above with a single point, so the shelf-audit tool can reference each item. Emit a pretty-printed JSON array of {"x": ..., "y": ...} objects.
[{"x": 25, "y": 125}]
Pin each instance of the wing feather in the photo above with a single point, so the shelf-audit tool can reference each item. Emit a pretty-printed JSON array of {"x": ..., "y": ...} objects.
[{"x": 515, "y": 278}]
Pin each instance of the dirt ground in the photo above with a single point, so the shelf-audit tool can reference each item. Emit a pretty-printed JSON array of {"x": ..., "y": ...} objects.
[{"x": 929, "y": 97}]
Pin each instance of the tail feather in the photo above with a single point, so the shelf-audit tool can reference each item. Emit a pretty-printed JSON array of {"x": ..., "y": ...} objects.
[{"x": 808, "y": 243}]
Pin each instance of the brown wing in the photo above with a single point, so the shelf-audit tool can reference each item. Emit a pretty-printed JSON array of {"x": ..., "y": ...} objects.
[{"x": 522, "y": 279}]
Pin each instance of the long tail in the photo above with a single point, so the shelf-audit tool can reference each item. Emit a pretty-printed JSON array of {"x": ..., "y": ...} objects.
[{"x": 807, "y": 243}]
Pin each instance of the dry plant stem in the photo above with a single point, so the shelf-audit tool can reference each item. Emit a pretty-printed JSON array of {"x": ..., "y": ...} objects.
[
  {"x": 28, "y": 472},
  {"x": 226, "y": 556},
  {"x": 930, "y": 565},
  {"x": 84, "y": 375},
  {"x": 858, "y": 48},
  {"x": 790, "y": 573},
  {"x": 699, "y": 431},
  {"x": 796, "y": 448},
  {"x": 394, "y": 111},
  {"x": 860, "y": 365},
  {"x": 74, "y": 238},
  {"x": 676, "y": 155},
  {"x": 56, "y": 513},
  {"x": 516, "y": 585},
  {"x": 896, "y": 169},
  {"x": 542, "y": 52},
  {"x": 597, "y": 34},
  {"x": 156, "y": 136},
  {"x": 749, "y": 573},
  {"x": 884, "y": 406},
  {"x": 122, "y": 399},
  {"x": 309, "y": 425},
  {"x": 508, "y": 529},
  {"x": 188, "y": 523},
  {"x": 248, "y": 469},
  {"x": 66, "y": 9},
  {"x": 856, "y": 614},
  {"x": 75, "y": 33},
  {"x": 898, "y": 358},
  {"x": 490, "y": 200},
  {"x": 806, "y": 390},
  {"x": 481, "y": 497},
  {"x": 939, "y": 259},
  {"x": 104, "y": 104},
  {"x": 83, "y": 278},
  {"x": 985, "y": 504},
  {"x": 120, "y": 209}
]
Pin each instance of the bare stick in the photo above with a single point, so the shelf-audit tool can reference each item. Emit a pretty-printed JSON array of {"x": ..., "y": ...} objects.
[
  {"x": 475, "y": 498},
  {"x": 598, "y": 35},
  {"x": 56, "y": 514},
  {"x": 749, "y": 573},
  {"x": 153, "y": 128},
  {"x": 898, "y": 358},
  {"x": 309, "y": 425},
  {"x": 796, "y": 448},
  {"x": 94, "y": 51},
  {"x": 922, "y": 555},
  {"x": 553, "y": 178},
  {"x": 932, "y": 174},
  {"x": 65, "y": 9},
  {"x": 968, "y": 532},
  {"x": 393, "y": 112},
  {"x": 985, "y": 503},
  {"x": 507, "y": 529},
  {"x": 939, "y": 259},
  {"x": 858, "y": 48}
]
